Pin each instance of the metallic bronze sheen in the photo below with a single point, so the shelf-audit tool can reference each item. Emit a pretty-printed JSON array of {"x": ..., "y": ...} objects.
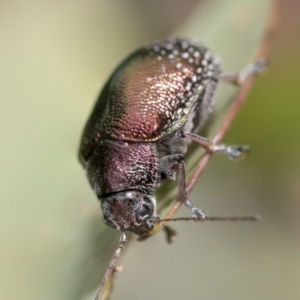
[{"x": 151, "y": 94}]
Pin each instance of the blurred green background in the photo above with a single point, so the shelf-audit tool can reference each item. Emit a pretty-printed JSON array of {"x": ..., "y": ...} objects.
[{"x": 55, "y": 56}]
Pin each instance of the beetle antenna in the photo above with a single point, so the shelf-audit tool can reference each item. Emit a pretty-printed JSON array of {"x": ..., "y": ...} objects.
[
  {"x": 242, "y": 218},
  {"x": 112, "y": 264}
]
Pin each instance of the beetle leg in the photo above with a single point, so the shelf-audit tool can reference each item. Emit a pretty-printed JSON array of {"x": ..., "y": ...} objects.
[
  {"x": 170, "y": 233},
  {"x": 196, "y": 212},
  {"x": 207, "y": 101},
  {"x": 233, "y": 152},
  {"x": 240, "y": 77},
  {"x": 169, "y": 165}
]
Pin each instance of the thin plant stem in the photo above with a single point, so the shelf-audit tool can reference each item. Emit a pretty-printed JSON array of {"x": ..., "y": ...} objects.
[{"x": 236, "y": 106}]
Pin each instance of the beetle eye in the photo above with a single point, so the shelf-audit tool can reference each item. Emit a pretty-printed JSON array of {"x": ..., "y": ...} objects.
[{"x": 145, "y": 211}]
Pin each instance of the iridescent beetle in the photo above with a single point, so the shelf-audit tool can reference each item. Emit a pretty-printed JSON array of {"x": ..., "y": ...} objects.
[{"x": 150, "y": 108}]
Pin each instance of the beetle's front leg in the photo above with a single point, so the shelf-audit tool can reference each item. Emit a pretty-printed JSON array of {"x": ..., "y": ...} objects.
[
  {"x": 168, "y": 165},
  {"x": 233, "y": 152}
]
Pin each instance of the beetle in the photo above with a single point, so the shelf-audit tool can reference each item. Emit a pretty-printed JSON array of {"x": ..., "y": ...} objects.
[{"x": 150, "y": 108}]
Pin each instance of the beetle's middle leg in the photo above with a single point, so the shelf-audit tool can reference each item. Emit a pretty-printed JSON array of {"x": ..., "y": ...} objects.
[
  {"x": 168, "y": 165},
  {"x": 233, "y": 152}
]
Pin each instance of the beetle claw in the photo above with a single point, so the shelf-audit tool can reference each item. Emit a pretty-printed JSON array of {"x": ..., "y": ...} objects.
[
  {"x": 233, "y": 152},
  {"x": 198, "y": 214}
]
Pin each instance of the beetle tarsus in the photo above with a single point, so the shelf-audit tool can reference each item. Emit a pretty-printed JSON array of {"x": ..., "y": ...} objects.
[
  {"x": 233, "y": 152},
  {"x": 240, "y": 77},
  {"x": 197, "y": 213}
]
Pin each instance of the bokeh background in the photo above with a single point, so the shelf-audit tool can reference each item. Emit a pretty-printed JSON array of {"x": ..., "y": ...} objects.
[{"x": 55, "y": 56}]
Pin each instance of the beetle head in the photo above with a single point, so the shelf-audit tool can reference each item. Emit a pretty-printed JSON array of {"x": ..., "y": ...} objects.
[{"x": 129, "y": 211}]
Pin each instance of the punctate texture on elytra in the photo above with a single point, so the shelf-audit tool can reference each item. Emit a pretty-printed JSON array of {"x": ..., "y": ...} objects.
[{"x": 152, "y": 94}]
